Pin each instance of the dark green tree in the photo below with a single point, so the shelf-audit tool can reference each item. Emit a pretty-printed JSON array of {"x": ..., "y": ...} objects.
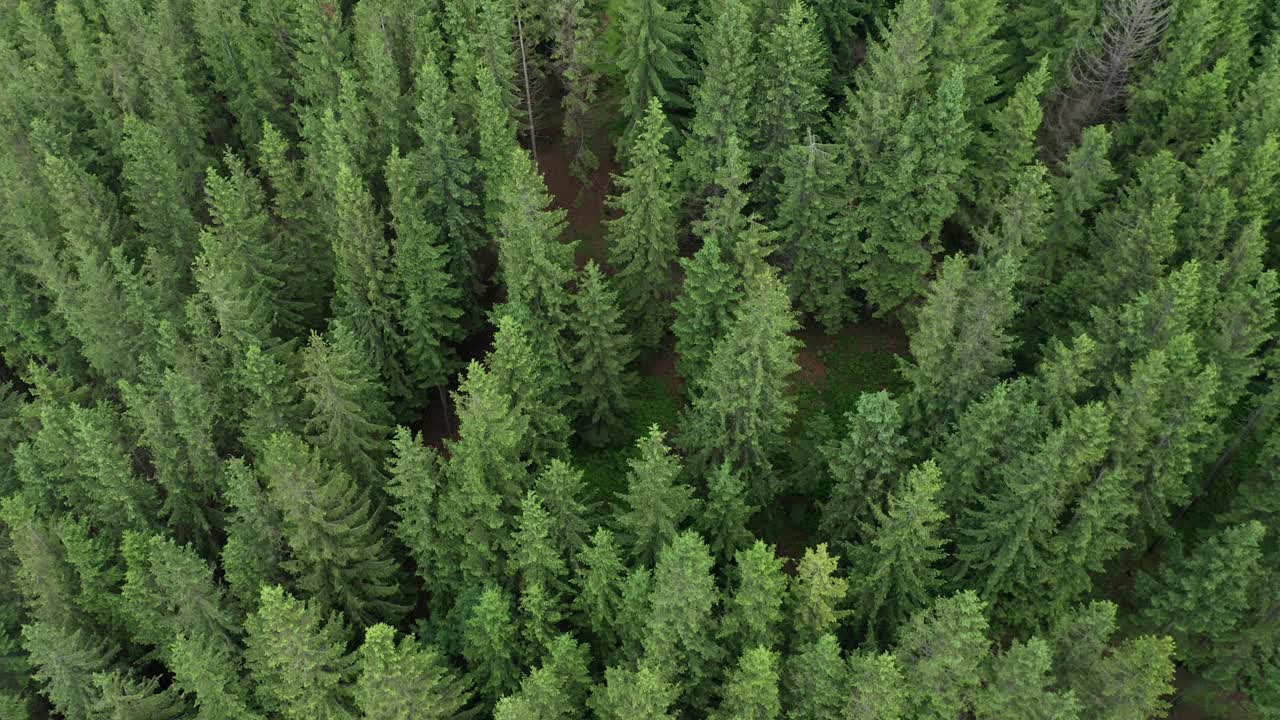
[
  {"x": 602, "y": 350},
  {"x": 791, "y": 97},
  {"x": 722, "y": 100},
  {"x": 404, "y": 681},
  {"x": 213, "y": 676},
  {"x": 643, "y": 241},
  {"x": 653, "y": 61},
  {"x": 751, "y": 690},
  {"x": 724, "y": 516},
  {"x": 863, "y": 465},
  {"x": 297, "y": 659},
  {"x": 815, "y": 680},
  {"x": 532, "y": 371},
  {"x": 942, "y": 650},
  {"x": 125, "y": 698},
  {"x": 338, "y": 553},
  {"x": 705, "y": 307},
  {"x": 64, "y": 660},
  {"x": 680, "y": 631},
  {"x": 349, "y": 420},
  {"x": 656, "y": 503},
  {"x": 565, "y": 495},
  {"x": 598, "y": 586},
  {"x": 1020, "y": 685},
  {"x": 753, "y": 613},
  {"x": 896, "y": 572}
]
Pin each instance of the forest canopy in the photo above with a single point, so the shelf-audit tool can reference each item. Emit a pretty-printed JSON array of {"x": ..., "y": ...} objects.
[{"x": 639, "y": 359}]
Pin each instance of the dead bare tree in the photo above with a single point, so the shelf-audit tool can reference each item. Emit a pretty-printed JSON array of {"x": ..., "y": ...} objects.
[
  {"x": 528, "y": 94},
  {"x": 1129, "y": 32}
]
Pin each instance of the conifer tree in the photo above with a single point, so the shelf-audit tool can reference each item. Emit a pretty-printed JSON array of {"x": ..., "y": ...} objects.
[
  {"x": 942, "y": 649},
  {"x": 322, "y": 51},
  {"x": 863, "y": 464},
  {"x": 815, "y": 680},
  {"x": 816, "y": 596},
  {"x": 642, "y": 242},
  {"x": 255, "y": 544},
  {"x": 272, "y": 397},
  {"x": 680, "y": 632},
  {"x": 530, "y": 369},
  {"x": 488, "y": 644},
  {"x": 1200, "y": 599},
  {"x": 486, "y": 475},
  {"x": 337, "y": 551},
  {"x": 968, "y": 35},
  {"x": 602, "y": 350},
  {"x": 653, "y": 60},
  {"x": 170, "y": 591},
  {"x": 556, "y": 689},
  {"x": 815, "y": 252},
  {"x": 705, "y": 308},
  {"x": 910, "y": 195},
  {"x": 245, "y": 68},
  {"x": 576, "y": 58},
  {"x": 445, "y": 173},
  {"x": 363, "y": 277},
  {"x": 64, "y": 659},
  {"x": 1010, "y": 147},
  {"x": 159, "y": 193},
  {"x": 535, "y": 558},
  {"x": 723, "y": 520},
  {"x": 125, "y": 698},
  {"x": 879, "y": 689},
  {"x": 536, "y": 267},
  {"x": 598, "y": 584},
  {"x": 641, "y": 694},
  {"x": 349, "y": 420},
  {"x": 897, "y": 570},
  {"x": 791, "y": 97},
  {"x": 722, "y": 100},
  {"x": 1020, "y": 686},
  {"x": 564, "y": 494},
  {"x": 429, "y": 306},
  {"x": 374, "y": 49},
  {"x": 296, "y": 656},
  {"x": 741, "y": 406},
  {"x": 403, "y": 681},
  {"x": 236, "y": 269},
  {"x": 656, "y": 503},
  {"x": 751, "y": 691},
  {"x": 495, "y": 139},
  {"x": 210, "y": 673},
  {"x": 753, "y": 614},
  {"x": 961, "y": 345}
]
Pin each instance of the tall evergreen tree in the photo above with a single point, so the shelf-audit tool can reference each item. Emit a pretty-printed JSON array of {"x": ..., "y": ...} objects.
[
  {"x": 402, "y": 681},
  {"x": 564, "y": 493},
  {"x": 656, "y": 503},
  {"x": 724, "y": 517},
  {"x": 942, "y": 650},
  {"x": 488, "y": 644},
  {"x": 722, "y": 100},
  {"x": 705, "y": 308},
  {"x": 812, "y": 248},
  {"x": 814, "y": 681},
  {"x": 645, "y": 693},
  {"x": 603, "y": 350},
  {"x": 753, "y": 614},
  {"x": 816, "y": 596},
  {"x": 863, "y": 465},
  {"x": 897, "y": 571},
  {"x": 791, "y": 93},
  {"x": 429, "y": 307},
  {"x": 576, "y": 60},
  {"x": 212, "y": 674},
  {"x": 598, "y": 585},
  {"x": 741, "y": 406},
  {"x": 751, "y": 691},
  {"x": 64, "y": 660},
  {"x": 534, "y": 374},
  {"x": 296, "y": 656},
  {"x": 337, "y": 551},
  {"x": 1020, "y": 686},
  {"x": 680, "y": 632},
  {"x": 643, "y": 241},
  {"x": 349, "y": 419},
  {"x": 653, "y": 59}
]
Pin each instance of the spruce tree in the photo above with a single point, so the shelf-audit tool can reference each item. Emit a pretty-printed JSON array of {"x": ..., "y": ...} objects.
[
  {"x": 1020, "y": 686},
  {"x": 751, "y": 691},
  {"x": 863, "y": 465},
  {"x": 363, "y": 277},
  {"x": 429, "y": 307},
  {"x": 349, "y": 420},
  {"x": 897, "y": 570},
  {"x": 680, "y": 631},
  {"x": 535, "y": 266},
  {"x": 753, "y": 613},
  {"x": 968, "y": 35},
  {"x": 532, "y": 371},
  {"x": 791, "y": 95},
  {"x": 556, "y": 689},
  {"x": 445, "y": 173},
  {"x": 338, "y": 553},
  {"x": 814, "y": 681},
  {"x": 643, "y": 241},
  {"x": 296, "y": 656},
  {"x": 815, "y": 252},
  {"x": 942, "y": 650},
  {"x": 403, "y": 681},
  {"x": 653, "y": 60},
  {"x": 64, "y": 660},
  {"x": 488, "y": 644},
  {"x": 741, "y": 406},
  {"x": 159, "y": 193},
  {"x": 724, "y": 516},
  {"x": 1010, "y": 146},
  {"x": 125, "y": 698},
  {"x": 415, "y": 487},
  {"x": 816, "y": 596},
  {"x": 722, "y": 100},
  {"x": 879, "y": 689},
  {"x": 656, "y": 503},
  {"x": 212, "y": 675},
  {"x": 705, "y": 307},
  {"x": 602, "y": 351},
  {"x": 645, "y": 693},
  {"x": 255, "y": 544},
  {"x": 598, "y": 586},
  {"x": 564, "y": 494}
]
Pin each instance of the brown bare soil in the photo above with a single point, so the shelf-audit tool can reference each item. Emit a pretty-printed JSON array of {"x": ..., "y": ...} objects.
[{"x": 585, "y": 204}]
